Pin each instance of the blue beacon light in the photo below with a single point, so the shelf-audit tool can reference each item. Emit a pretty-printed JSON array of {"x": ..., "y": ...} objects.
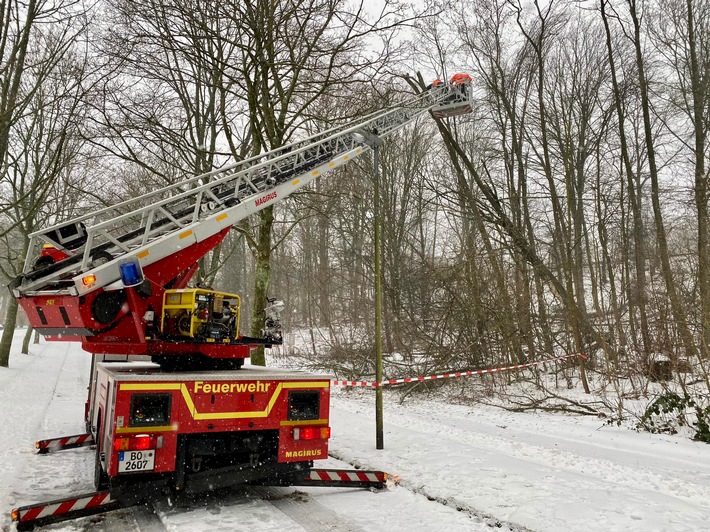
[{"x": 131, "y": 272}]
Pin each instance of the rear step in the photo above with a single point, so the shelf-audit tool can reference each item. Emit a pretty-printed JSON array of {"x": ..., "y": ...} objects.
[{"x": 64, "y": 442}]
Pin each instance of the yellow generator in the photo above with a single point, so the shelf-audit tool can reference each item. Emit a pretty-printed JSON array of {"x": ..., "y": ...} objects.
[{"x": 204, "y": 315}]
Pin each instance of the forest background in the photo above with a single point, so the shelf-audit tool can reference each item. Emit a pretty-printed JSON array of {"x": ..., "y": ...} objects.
[{"x": 568, "y": 213}]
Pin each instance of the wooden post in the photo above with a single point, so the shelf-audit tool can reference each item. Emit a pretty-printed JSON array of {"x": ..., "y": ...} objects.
[{"x": 379, "y": 422}]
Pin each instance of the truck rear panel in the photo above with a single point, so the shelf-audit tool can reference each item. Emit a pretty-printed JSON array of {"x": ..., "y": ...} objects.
[{"x": 150, "y": 423}]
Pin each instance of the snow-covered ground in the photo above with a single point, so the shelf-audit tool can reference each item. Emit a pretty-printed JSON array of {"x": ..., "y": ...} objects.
[{"x": 458, "y": 467}]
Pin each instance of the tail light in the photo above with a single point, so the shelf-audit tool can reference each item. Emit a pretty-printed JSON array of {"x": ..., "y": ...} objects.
[
  {"x": 311, "y": 433},
  {"x": 140, "y": 442}
]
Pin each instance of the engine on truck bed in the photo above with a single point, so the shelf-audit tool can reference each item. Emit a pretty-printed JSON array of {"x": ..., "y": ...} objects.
[{"x": 204, "y": 315}]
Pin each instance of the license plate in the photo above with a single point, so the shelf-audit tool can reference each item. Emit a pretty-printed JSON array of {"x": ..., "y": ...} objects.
[{"x": 131, "y": 461}]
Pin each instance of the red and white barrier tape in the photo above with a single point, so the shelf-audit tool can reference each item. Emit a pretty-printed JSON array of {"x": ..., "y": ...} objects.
[{"x": 451, "y": 375}]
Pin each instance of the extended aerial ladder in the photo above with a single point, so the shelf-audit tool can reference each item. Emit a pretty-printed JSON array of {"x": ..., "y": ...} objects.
[
  {"x": 117, "y": 267},
  {"x": 164, "y": 233}
]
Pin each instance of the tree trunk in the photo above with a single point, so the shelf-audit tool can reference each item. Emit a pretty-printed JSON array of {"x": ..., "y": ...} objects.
[
  {"x": 701, "y": 179},
  {"x": 634, "y": 200},
  {"x": 26, "y": 341},
  {"x": 679, "y": 313},
  {"x": 261, "y": 280},
  {"x": 8, "y": 332}
]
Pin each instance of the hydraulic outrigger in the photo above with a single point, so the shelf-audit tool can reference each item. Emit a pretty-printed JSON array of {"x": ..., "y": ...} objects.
[{"x": 98, "y": 502}]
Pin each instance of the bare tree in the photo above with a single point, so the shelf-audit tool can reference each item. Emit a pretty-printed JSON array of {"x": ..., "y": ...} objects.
[
  {"x": 34, "y": 38},
  {"x": 681, "y": 30},
  {"x": 294, "y": 53},
  {"x": 633, "y": 189},
  {"x": 43, "y": 143},
  {"x": 676, "y": 304}
]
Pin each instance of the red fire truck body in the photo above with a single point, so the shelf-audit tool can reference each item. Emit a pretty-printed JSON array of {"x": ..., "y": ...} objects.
[{"x": 193, "y": 430}]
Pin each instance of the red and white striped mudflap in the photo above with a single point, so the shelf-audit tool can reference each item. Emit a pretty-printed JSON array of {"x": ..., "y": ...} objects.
[
  {"x": 345, "y": 478},
  {"x": 65, "y": 442},
  {"x": 27, "y": 517}
]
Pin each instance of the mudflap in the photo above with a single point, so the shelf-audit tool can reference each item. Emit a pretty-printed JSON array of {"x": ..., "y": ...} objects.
[{"x": 132, "y": 490}]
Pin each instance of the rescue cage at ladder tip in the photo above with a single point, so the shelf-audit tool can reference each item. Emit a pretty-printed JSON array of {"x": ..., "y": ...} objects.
[{"x": 458, "y": 96}]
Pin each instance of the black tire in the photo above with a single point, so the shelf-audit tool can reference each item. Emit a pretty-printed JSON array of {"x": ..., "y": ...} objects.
[
  {"x": 185, "y": 362},
  {"x": 100, "y": 477},
  {"x": 43, "y": 262},
  {"x": 196, "y": 362},
  {"x": 101, "y": 481},
  {"x": 107, "y": 306},
  {"x": 227, "y": 364},
  {"x": 100, "y": 257}
]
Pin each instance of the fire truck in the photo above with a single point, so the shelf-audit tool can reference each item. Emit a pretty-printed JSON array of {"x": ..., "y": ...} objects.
[{"x": 118, "y": 281}]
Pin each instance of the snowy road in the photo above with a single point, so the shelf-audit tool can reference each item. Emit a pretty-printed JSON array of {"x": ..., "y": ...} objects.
[
  {"x": 459, "y": 467},
  {"x": 544, "y": 472}
]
